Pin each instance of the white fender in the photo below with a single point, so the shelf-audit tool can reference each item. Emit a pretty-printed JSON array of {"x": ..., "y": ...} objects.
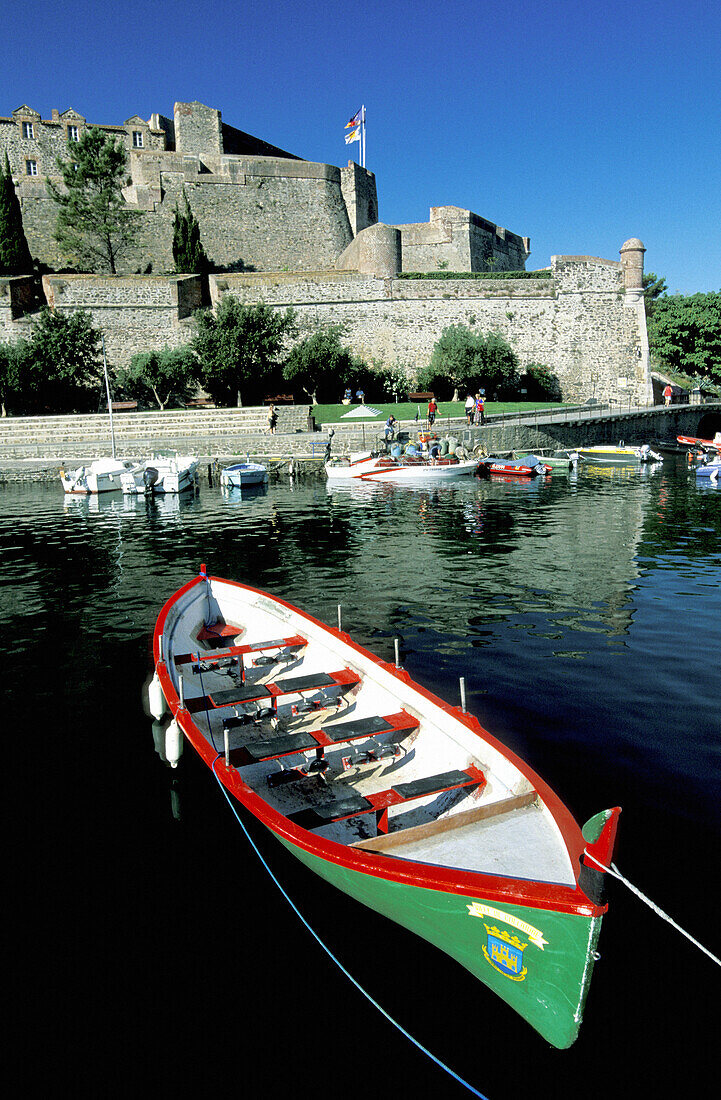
[
  {"x": 173, "y": 744},
  {"x": 156, "y": 699}
]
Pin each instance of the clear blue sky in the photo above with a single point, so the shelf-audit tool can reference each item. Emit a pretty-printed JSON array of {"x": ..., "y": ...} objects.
[{"x": 577, "y": 125}]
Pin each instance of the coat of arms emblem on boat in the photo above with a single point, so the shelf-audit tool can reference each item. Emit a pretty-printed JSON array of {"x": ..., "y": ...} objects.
[
  {"x": 502, "y": 949},
  {"x": 505, "y": 953}
]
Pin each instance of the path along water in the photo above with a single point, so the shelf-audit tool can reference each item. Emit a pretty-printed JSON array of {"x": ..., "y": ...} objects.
[{"x": 150, "y": 946}]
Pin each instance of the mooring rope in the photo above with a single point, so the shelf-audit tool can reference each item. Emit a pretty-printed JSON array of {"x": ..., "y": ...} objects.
[
  {"x": 614, "y": 871},
  {"x": 333, "y": 957}
]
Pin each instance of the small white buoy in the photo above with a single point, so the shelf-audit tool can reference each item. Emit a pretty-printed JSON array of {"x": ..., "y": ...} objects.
[
  {"x": 156, "y": 699},
  {"x": 173, "y": 744}
]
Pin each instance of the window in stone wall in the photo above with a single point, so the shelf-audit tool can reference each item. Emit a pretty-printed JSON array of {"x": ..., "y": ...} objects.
[
  {"x": 73, "y": 133},
  {"x": 31, "y": 168},
  {"x": 137, "y": 139},
  {"x": 28, "y": 130}
]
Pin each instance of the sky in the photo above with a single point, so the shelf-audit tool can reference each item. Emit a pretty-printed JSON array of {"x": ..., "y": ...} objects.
[{"x": 578, "y": 125}]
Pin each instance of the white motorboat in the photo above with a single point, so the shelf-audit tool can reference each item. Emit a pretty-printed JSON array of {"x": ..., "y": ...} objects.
[
  {"x": 104, "y": 475},
  {"x": 165, "y": 472},
  {"x": 381, "y": 467},
  {"x": 243, "y": 473}
]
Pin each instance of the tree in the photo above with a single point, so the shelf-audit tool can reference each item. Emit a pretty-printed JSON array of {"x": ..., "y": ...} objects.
[
  {"x": 540, "y": 383},
  {"x": 15, "y": 258},
  {"x": 161, "y": 376},
  {"x": 188, "y": 252},
  {"x": 469, "y": 360},
  {"x": 320, "y": 364},
  {"x": 238, "y": 349},
  {"x": 94, "y": 225},
  {"x": 63, "y": 371},
  {"x": 13, "y": 358},
  {"x": 685, "y": 333},
  {"x": 653, "y": 287}
]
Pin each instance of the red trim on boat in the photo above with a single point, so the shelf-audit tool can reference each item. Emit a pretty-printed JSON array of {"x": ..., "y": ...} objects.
[{"x": 541, "y": 895}]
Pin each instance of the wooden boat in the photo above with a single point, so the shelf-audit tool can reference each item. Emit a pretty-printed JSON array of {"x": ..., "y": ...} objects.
[
  {"x": 384, "y": 790},
  {"x": 528, "y": 466},
  {"x": 243, "y": 473},
  {"x": 380, "y": 467},
  {"x": 102, "y": 476},
  {"x": 619, "y": 456},
  {"x": 164, "y": 472},
  {"x": 705, "y": 444}
]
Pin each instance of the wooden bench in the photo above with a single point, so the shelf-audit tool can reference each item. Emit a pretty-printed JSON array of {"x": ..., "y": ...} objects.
[
  {"x": 205, "y": 662},
  {"x": 200, "y": 403},
  {"x": 326, "y": 736},
  {"x": 351, "y": 803},
  {"x": 420, "y": 396},
  {"x": 280, "y": 399},
  {"x": 384, "y": 841},
  {"x": 123, "y": 406},
  {"x": 344, "y": 678}
]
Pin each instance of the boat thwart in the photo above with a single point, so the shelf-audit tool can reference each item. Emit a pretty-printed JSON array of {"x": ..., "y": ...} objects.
[{"x": 392, "y": 795}]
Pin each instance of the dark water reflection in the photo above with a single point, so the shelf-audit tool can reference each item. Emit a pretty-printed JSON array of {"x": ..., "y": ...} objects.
[{"x": 584, "y": 614}]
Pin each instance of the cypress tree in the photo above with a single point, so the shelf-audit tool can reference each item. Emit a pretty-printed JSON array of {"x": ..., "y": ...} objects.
[
  {"x": 188, "y": 252},
  {"x": 15, "y": 258}
]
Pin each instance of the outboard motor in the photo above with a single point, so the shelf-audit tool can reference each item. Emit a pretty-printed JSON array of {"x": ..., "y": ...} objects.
[{"x": 150, "y": 478}]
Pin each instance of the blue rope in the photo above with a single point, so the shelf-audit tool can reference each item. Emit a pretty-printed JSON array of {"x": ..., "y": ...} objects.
[{"x": 330, "y": 954}]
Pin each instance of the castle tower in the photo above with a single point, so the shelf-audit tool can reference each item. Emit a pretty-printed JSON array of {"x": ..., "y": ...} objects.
[{"x": 632, "y": 263}]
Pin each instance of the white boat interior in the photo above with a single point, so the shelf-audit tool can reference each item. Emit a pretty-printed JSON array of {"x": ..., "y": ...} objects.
[{"x": 344, "y": 745}]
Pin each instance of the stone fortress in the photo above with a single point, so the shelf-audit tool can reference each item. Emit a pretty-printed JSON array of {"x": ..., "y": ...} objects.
[{"x": 292, "y": 232}]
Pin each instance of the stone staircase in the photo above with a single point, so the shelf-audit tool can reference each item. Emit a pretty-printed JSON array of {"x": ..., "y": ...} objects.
[
  {"x": 206, "y": 432},
  {"x": 211, "y": 434}
]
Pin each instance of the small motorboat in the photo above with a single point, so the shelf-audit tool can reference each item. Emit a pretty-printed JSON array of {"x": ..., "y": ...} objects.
[
  {"x": 102, "y": 476},
  {"x": 710, "y": 467},
  {"x": 704, "y": 444},
  {"x": 621, "y": 455},
  {"x": 243, "y": 473},
  {"x": 528, "y": 466},
  {"x": 373, "y": 466},
  {"x": 165, "y": 472},
  {"x": 387, "y": 792}
]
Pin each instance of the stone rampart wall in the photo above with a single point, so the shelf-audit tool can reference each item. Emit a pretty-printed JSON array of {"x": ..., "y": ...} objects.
[
  {"x": 135, "y": 313},
  {"x": 580, "y": 322}
]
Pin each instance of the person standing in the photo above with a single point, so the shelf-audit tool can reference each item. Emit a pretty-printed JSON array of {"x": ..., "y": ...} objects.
[
  {"x": 432, "y": 410},
  {"x": 470, "y": 408},
  {"x": 390, "y": 428},
  {"x": 480, "y": 417},
  {"x": 667, "y": 395},
  {"x": 272, "y": 419}
]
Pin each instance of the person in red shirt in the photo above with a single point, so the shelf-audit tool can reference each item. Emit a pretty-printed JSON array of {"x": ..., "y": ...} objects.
[
  {"x": 480, "y": 406},
  {"x": 432, "y": 410},
  {"x": 667, "y": 395}
]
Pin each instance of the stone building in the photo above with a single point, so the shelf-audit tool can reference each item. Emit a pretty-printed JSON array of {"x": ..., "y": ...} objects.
[
  {"x": 292, "y": 232},
  {"x": 260, "y": 208}
]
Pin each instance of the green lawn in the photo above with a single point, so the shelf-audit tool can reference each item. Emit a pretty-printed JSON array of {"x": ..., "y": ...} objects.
[{"x": 406, "y": 410}]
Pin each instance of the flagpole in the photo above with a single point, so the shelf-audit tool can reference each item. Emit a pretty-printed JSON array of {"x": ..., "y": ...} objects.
[{"x": 363, "y": 136}]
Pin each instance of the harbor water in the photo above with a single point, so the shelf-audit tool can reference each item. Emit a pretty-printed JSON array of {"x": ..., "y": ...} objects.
[{"x": 150, "y": 948}]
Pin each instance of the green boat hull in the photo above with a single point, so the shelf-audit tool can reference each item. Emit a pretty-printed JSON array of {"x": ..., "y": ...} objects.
[{"x": 537, "y": 960}]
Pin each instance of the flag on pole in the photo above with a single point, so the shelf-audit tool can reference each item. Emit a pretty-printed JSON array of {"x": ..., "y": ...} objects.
[{"x": 357, "y": 127}]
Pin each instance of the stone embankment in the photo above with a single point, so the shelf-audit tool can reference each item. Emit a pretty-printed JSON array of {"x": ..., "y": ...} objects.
[{"x": 36, "y": 448}]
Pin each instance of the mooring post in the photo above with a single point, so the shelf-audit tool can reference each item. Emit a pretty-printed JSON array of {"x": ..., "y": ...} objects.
[
  {"x": 226, "y": 743},
  {"x": 396, "y": 646},
  {"x": 463, "y": 694},
  {"x": 340, "y": 626}
]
